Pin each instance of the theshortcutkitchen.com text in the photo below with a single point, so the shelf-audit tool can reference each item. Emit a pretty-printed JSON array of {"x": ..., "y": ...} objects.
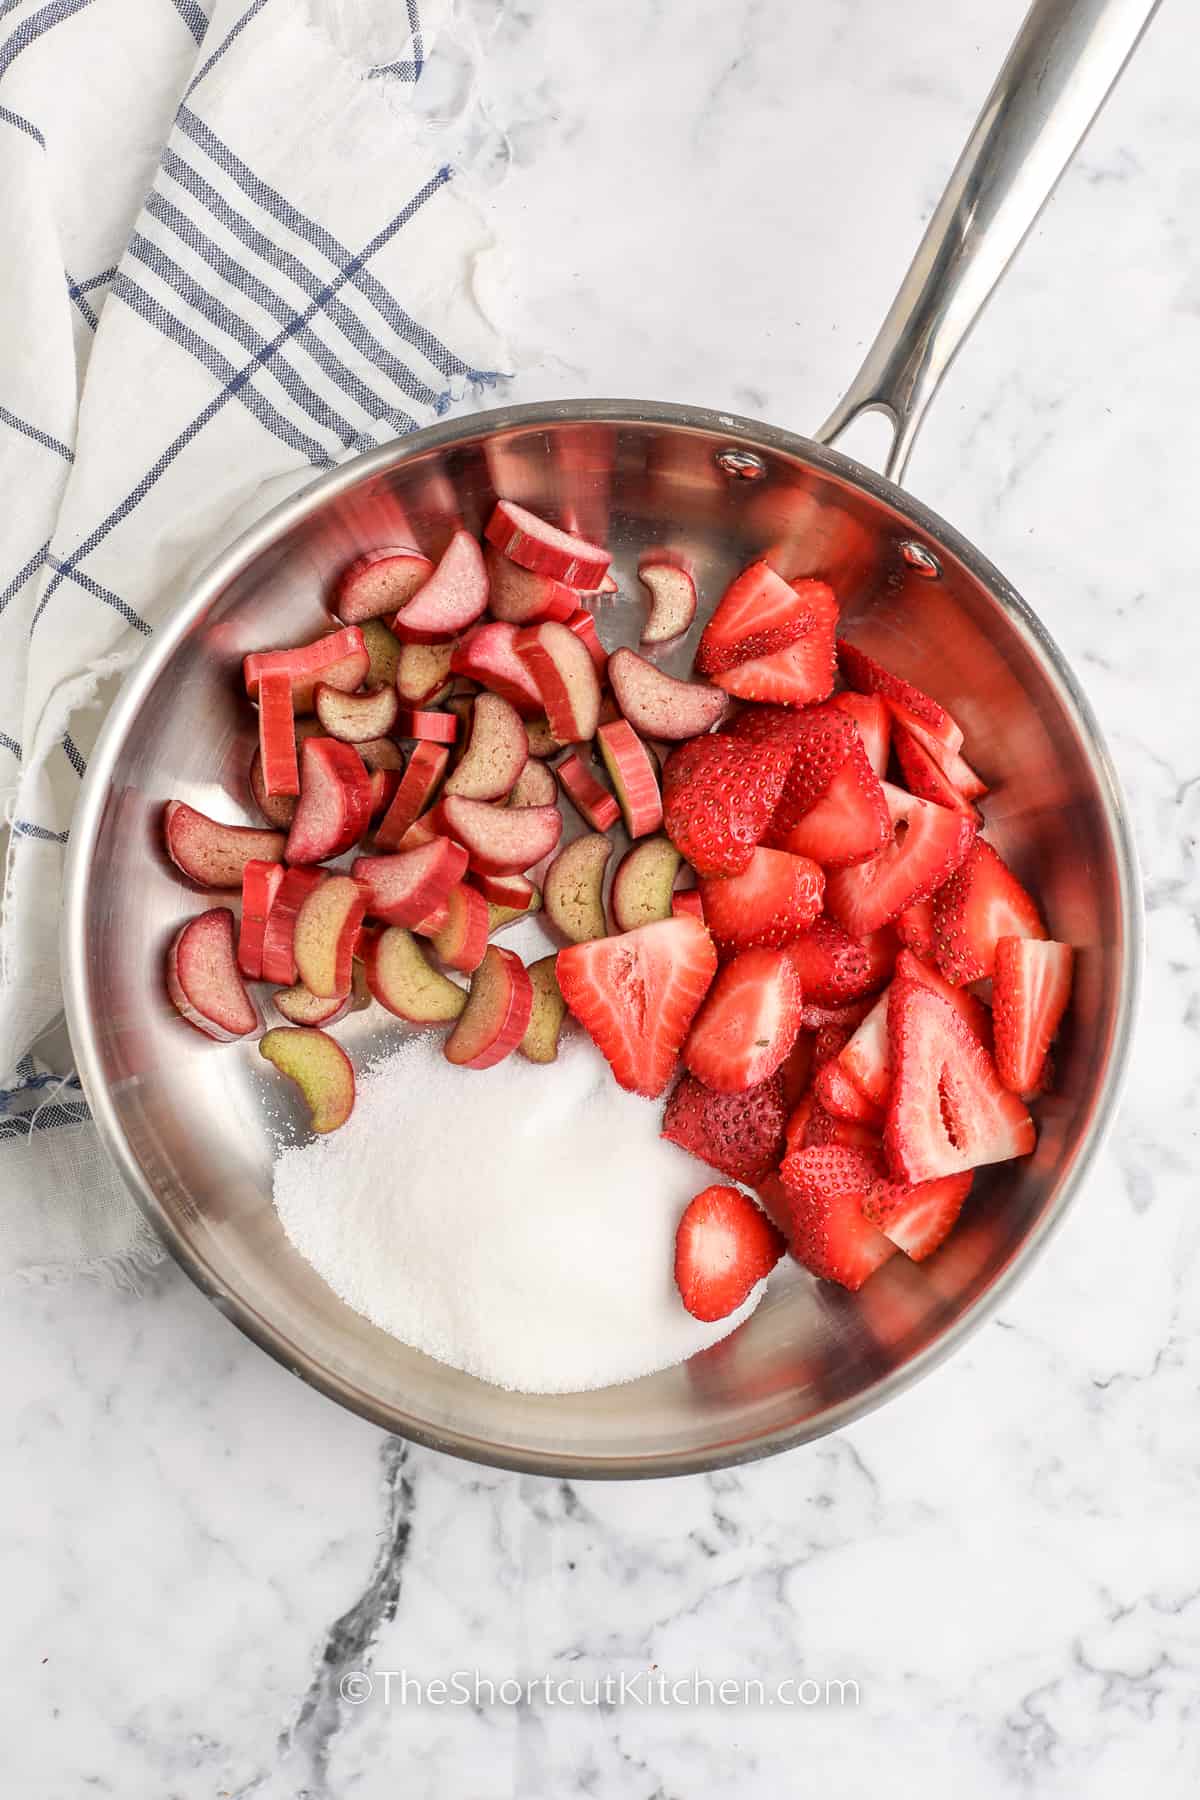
[{"x": 641, "y": 1687}]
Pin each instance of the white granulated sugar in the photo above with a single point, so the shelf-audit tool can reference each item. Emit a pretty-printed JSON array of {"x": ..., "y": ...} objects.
[{"x": 517, "y": 1222}]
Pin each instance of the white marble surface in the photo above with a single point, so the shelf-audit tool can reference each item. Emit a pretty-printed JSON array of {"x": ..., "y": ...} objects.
[{"x": 713, "y": 203}]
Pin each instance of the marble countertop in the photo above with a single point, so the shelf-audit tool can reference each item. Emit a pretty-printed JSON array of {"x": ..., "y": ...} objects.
[{"x": 713, "y": 203}]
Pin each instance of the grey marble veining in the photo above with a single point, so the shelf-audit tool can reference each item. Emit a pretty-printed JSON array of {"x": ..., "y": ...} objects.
[{"x": 713, "y": 203}]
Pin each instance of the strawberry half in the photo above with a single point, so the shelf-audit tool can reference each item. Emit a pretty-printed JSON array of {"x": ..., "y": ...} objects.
[
  {"x": 834, "y": 967},
  {"x": 637, "y": 994},
  {"x": 758, "y": 613},
  {"x": 969, "y": 1008},
  {"x": 1030, "y": 990},
  {"x": 914, "y": 928},
  {"x": 774, "y": 899},
  {"x": 918, "y": 1218},
  {"x": 866, "y": 1059},
  {"x": 804, "y": 670},
  {"x": 981, "y": 904},
  {"x": 828, "y": 1232},
  {"x": 924, "y": 774},
  {"x": 796, "y": 1069},
  {"x": 748, "y": 1022},
  {"x": 724, "y": 1246},
  {"x": 928, "y": 844},
  {"x": 823, "y": 1129},
  {"x": 718, "y": 797},
  {"x": 740, "y": 1134},
  {"x": 905, "y": 702},
  {"x": 847, "y": 825},
  {"x": 874, "y": 721},
  {"x": 846, "y": 1018},
  {"x": 949, "y": 1110},
  {"x": 767, "y": 725},
  {"x": 839, "y": 1096}
]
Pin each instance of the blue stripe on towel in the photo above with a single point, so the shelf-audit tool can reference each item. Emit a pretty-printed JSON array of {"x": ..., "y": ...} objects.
[
  {"x": 39, "y": 437},
  {"x": 236, "y": 275},
  {"x": 233, "y": 387},
  {"x": 351, "y": 268},
  {"x": 244, "y": 335}
]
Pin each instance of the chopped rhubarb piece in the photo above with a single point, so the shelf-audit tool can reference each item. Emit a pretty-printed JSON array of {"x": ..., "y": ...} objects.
[
  {"x": 632, "y": 771},
  {"x": 421, "y": 780},
  {"x": 326, "y": 936},
  {"x": 487, "y": 655},
  {"x": 356, "y": 718},
  {"x": 453, "y": 597},
  {"x": 520, "y": 597},
  {"x": 404, "y": 888},
  {"x": 335, "y": 801},
  {"x": 277, "y": 736},
  {"x": 496, "y": 750},
  {"x": 278, "y": 947},
  {"x": 520, "y": 535},
  {"x": 260, "y": 884},
  {"x": 426, "y": 727},
  {"x": 573, "y": 890},
  {"x": 566, "y": 677},
  {"x": 380, "y": 582},
  {"x": 583, "y": 625},
  {"x": 211, "y": 854},
  {"x": 404, "y": 981},
  {"x": 497, "y": 1012},
  {"x": 339, "y": 659},
  {"x": 659, "y": 706},
  {"x": 462, "y": 940},
  {"x": 500, "y": 840},
  {"x": 590, "y": 799},
  {"x": 203, "y": 980},
  {"x": 672, "y": 601},
  {"x": 319, "y": 1067}
]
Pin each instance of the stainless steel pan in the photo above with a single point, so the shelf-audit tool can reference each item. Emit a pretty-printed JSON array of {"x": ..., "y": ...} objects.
[{"x": 185, "y": 1121}]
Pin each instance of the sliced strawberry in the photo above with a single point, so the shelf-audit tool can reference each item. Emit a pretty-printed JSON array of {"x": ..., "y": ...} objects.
[
  {"x": 829, "y": 1041},
  {"x": 917, "y": 1219},
  {"x": 848, "y": 825},
  {"x": 864, "y": 1058},
  {"x": 637, "y": 994},
  {"x": 874, "y": 721},
  {"x": 1030, "y": 990},
  {"x": 924, "y": 774},
  {"x": 981, "y": 904},
  {"x": 821, "y": 738},
  {"x": 724, "y": 1246},
  {"x": 905, "y": 701},
  {"x": 798, "y": 1123},
  {"x": 718, "y": 797},
  {"x": 834, "y": 967},
  {"x": 914, "y": 928},
  {"x": 748, "y": 1022},
  {"x": 839, "y": 1096},
  {"x": 827, "y": 1231},
  {"x": 928, "y": 844},
  {"x": 970, "y": 785},
  {"x": 758, "y": 613},
  {"x": 797, "y": 1069},
  {"x": 948, "y": 1109},
  {"x": 799, "y": 674},
  {"x": 968, "y": 1007},
  {"x": 768, "y": 725},
  {"x": 846, "y": 1018},
  {"x": 739, "y": 1134},
  {"x": 823, "y": 1129},
  {"x": 775, "y": 898}
]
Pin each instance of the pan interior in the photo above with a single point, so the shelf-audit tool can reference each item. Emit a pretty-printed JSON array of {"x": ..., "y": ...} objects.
[{"x": 187, "y": 1119}]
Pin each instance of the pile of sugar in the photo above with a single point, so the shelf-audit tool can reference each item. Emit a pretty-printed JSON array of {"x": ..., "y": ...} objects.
[{"x": 517, "y": 1223}]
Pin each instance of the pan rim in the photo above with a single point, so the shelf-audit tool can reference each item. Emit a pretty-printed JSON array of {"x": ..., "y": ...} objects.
[{"x": 299, "y": 506}]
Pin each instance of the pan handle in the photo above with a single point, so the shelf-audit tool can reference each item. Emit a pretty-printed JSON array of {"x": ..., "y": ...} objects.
[{"x": 1058, "y": 74}]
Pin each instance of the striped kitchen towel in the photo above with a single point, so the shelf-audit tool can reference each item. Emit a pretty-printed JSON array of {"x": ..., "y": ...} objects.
[{"x": 233, "y": 256}]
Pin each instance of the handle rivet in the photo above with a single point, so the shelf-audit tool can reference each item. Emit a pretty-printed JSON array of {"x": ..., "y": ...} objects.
[
  {"x": 743, "y": 465},
  {"x": 919, "y": 559}
]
